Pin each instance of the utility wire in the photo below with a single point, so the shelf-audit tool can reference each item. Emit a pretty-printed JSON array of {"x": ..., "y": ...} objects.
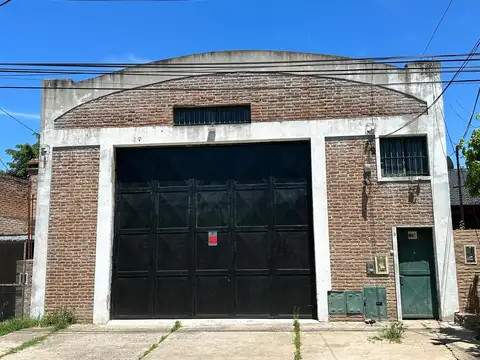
[
  {"x": 436, "y": 28},
  {"x": 19, "y": 121},
  {"x": 5, "y": 3},
  {"x": 474, "y": 49},
  {"x": 147, "y": 87},
  {"x": 192, "y": 72},
  {"x": 330, "y": 60},
  {"x": 473, "y": 113},
  {"x": 6, "y": 167}
]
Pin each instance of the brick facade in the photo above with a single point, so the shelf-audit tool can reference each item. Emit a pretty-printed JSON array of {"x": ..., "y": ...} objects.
[
  {"x": 72, "y": 231},
  {"x": 467, "y": 291},
  {"x": 273, "y": 97},
  {"x": 13, "y": 205},
  {"x": 360, "y": 218}
]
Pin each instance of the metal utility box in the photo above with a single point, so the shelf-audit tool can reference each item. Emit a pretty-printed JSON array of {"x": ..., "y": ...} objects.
[
  {"x": 354, "y": 302},
  {"x": 375, "y": 302},
  {"x": 336, "y": 303}
]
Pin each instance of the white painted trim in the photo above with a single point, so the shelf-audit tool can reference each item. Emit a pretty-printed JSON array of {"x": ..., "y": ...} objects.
[
  {"x": 320, "y": 226},
  {"x": 214, "y": 323},
  {"x": 396, "y": 266},
  {"x": 104, "y": 245},
  {"x": 41, "y": 233},
  {"x": 14, "y": 237}
]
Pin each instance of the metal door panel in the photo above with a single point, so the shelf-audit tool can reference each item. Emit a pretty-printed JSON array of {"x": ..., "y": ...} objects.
[
  {"x": 173, "y": 296},
  {"x": 253, "y": 295},
  {"x": 417, "y": 274},
  {"x": 256, "y": 197},
  {"x": 214, "y": 296}
]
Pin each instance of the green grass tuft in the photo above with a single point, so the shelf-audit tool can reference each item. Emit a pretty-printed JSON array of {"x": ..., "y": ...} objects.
[
  {"x": 26, "y": 344},
  {"x": 297, "y": 340},
  {"x": 392, "y": 332},
  {"x": 176, "y": 326},
  {"x": 59, "y": 319},
  {"x": 16, "y": 324}
]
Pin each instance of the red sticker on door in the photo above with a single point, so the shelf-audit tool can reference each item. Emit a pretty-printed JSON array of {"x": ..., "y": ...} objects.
[{"x": 212, "y": 238}]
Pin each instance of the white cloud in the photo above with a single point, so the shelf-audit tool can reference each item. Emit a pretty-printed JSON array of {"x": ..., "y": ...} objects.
[
  {"x": 126, "y": 59},
  {"x": 22, "y": 115}
]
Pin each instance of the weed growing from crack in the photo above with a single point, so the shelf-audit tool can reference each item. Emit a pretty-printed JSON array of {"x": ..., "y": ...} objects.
[
  {"x": 177, "y": 325},
  {"x": 297, "y": 340},
  {"x": 392, "y": 332}
]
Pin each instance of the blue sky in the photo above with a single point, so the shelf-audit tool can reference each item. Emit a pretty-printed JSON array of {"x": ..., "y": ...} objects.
[{"x": 66, "y": 31}]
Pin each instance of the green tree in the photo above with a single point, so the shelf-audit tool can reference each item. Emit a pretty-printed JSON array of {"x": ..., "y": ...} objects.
[
  {"x": 21, "y": 155},
  {"x": 471, "y": 152}
]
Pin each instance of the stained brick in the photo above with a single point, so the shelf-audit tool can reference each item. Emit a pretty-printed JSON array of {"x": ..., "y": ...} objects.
[
  {"x": 272, "y": 97},
  {"x": 360, "y": 218},
  {"x": 466, "y": 273},
  {"x": 13, "y": 205},
  {"x": 72, "y": 231}
]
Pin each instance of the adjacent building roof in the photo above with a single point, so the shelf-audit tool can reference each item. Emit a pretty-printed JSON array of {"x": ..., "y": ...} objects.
[{"x": 454, "y": 195}]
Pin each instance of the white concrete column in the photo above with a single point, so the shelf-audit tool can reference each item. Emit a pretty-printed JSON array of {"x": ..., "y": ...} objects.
[
  {"x": 41, "y": 232},
  {"x": 105, "y": 221},
  {"x": 444, "y": 246},
  {"x": 320, "y": 225}
]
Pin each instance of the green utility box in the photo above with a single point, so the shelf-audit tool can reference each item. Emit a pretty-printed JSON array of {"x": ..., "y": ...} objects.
[
  {"x": 375, "y": 302},
  {"x": 345, "y": 302},
  {"x": 336, "y": 303},
  {"x": 354, "y": 302}
]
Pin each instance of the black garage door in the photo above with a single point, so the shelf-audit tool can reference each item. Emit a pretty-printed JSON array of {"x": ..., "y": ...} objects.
[{"x": 213, "y": 231}]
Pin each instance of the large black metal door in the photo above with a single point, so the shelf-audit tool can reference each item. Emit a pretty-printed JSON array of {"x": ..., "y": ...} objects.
[{"x": 255, "y": 203}]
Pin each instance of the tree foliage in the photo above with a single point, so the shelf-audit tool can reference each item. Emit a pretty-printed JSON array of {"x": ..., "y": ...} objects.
[
  {"x": 21, "y": 155},
  {"x": 471, "y": 152}
]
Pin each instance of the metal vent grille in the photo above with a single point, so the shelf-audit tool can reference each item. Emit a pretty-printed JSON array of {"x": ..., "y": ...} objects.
[{"x": 211, "y": 115}]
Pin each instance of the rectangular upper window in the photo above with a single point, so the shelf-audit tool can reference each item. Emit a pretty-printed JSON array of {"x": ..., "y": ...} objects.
[
  {"x": 404, "y": 156},
  {"x": 210, "y": 115}
]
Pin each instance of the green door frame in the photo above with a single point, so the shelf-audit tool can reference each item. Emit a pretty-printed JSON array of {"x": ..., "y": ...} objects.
[{"x": 397, "y": 266}]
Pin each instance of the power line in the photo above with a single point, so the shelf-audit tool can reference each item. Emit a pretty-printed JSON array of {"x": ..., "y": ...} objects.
[
  {"x": 20, "y": 122},
  {"x": 331, "y": 59},
  {"x": 436, "y": 28},
  {"x": 471, "y": 116},
  {"x": 336, "y": 72},
  {"x": 474, "y": 49},
  {"x": 187, "y": 89},
  {"x": 5, "y": 3},
  {"x": 456, "y": 112},
  {"x": 6, "y": 167}
]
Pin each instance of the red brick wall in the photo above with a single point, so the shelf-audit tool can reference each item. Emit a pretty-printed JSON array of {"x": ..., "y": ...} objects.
[
  {"x": 360, "y": 219},
  {"x": 13, "y": 205},
  {"x": 466, "y": 273},
  {"x": 72, "y": 231},
  {"x": 272, "y": 97}
]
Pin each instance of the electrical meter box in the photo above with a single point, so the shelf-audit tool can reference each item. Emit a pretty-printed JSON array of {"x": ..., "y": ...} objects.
[{"x": 375, "y": 302}]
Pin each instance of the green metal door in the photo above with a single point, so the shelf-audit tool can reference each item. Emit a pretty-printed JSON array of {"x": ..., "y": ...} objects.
[{"x": 417, "y": 273}]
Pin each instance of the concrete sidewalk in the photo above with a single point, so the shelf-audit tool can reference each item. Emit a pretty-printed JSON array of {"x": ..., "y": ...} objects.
[
  {"x": 242, "y": 341},
  {"x": 93, "y": 343}
]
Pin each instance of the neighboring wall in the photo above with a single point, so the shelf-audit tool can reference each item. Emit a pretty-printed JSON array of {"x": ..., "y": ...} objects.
[
  {"x": 468, "y": 288},
  {"x": 13, "y": 205},
  {"x": 72, "y": 231},
  {"x": 24, "y": 294},
  {"x": 361, "y": 218}
]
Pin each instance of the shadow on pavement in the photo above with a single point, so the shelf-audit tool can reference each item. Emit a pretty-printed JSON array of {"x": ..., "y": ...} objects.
[{"x": 461, "y": 339}]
